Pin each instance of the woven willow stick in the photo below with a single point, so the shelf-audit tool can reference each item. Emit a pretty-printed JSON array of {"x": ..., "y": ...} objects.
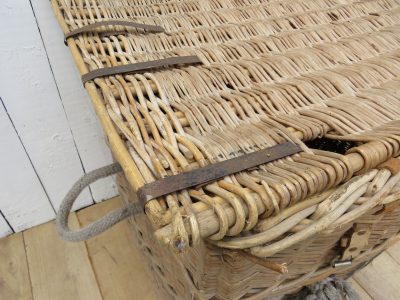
[
  {"x": 268, "y": 235},
  {"x": 318, "y": 275},
  {"x": 379, "y": 197},
  {"x": 272, "y": 221},
  {"x": 157, "y": 9},
  {"x": 357, "y": 163},
  {"x": 278, "y": 267},
  {"x": 159, "y": 216},
  {"x": 208, "y": 221},
  {"x": 336, "y": 217},
  {"x": 117, "y": 146},
  {"x": 314, "y": 228}
]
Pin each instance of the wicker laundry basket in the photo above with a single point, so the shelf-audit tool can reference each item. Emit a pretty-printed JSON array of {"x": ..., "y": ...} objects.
[
  {"x": 260, "y": 136},
  {"x": 210, "y": 272}
]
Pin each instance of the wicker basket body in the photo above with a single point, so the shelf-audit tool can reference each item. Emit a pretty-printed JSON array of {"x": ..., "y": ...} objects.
[
  {"x": 322, "y": 74},
  {"x": 209, "y": 272}
]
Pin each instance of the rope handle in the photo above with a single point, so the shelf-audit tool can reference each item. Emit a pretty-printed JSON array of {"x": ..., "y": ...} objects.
[
  {"x": 160, "y": 187},
  {"x": 103, "y": 223}
]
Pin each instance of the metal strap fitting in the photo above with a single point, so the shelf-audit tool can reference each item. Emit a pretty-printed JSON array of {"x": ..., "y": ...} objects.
[
  {"x": 341, "y": 263},
  {"x": 141, "y": 67},
  {"x": 93, "y": 26},
  {"x": 214, "y": 172}
]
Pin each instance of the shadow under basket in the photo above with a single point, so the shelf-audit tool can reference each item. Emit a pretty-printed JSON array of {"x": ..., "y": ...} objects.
[{"x": 210, "y": 272}]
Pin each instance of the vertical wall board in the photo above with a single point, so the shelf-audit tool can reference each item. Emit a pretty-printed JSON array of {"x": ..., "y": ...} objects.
[
  {"x": 4, "y": 228},
  {"x": 30, "y": 96},
  {"x": 86, "y": 130},
  {"x": 23, "y": 201}
]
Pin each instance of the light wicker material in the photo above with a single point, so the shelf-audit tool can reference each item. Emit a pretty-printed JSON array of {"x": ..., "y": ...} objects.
[
  {"x": 272, "y": 71},
  {"x": 210, "y": 272}
]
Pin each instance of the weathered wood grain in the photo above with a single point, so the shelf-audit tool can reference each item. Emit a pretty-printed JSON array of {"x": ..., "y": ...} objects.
[
  {"x": 23, "y": 200},
  {"x": 14, "y": 274},
  {"x": 117, "y": 263},
  {"x": 381, "y": 278},
  {"x": 87, "y": 133},
  {"x": 59, "y": 270},
  {"x": 30, "y": 96}
]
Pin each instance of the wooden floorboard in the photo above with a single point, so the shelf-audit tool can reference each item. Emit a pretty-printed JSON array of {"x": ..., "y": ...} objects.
[
  {"x": 381, "y": 278},
  {"x": 59, "y": 270},
  {"x": 360, "y": 290},
  {"x": 37, "y": 265},
  {"x": 14, "y": 273},
  {"x": 116, "y": 259},
  {"x": 394, "y": 252}
]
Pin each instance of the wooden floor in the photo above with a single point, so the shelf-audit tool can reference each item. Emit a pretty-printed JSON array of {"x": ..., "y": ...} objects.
[{"x": 36, "y": 264}]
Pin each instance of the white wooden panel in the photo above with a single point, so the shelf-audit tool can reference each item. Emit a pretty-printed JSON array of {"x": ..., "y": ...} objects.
[
  {"x": 4, "y": 228},
  {"x": 22, "y": 198},
  {"x": 85, "y": 128},
  {"x": 31, "y": 98}
]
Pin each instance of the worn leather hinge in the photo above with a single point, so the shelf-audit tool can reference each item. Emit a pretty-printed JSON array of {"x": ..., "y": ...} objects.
[
  {"x": 141, "y": 67},
  {"x": 214, "y": 172},
  {"x": 91, "y": 27}
]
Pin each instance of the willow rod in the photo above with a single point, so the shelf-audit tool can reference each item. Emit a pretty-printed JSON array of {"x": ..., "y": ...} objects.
[
  {"x": 208, "y": 221},
  {"x": 161, "y": 217}
]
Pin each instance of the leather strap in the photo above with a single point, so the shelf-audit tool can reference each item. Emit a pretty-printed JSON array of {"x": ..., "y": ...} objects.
[
  {"x": 92, "y": 27},
  {"x": 214, "y": 172},
  {"x": 140, "y": 67}
]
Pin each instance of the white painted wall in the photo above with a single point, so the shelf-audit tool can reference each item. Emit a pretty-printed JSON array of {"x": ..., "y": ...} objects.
[{"x": 49, "y": 132}]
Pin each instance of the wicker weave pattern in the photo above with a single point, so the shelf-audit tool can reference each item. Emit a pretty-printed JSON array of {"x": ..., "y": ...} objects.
[
  {"x": 272, "y": 71},
  {"x": 208, "y": 272}
]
